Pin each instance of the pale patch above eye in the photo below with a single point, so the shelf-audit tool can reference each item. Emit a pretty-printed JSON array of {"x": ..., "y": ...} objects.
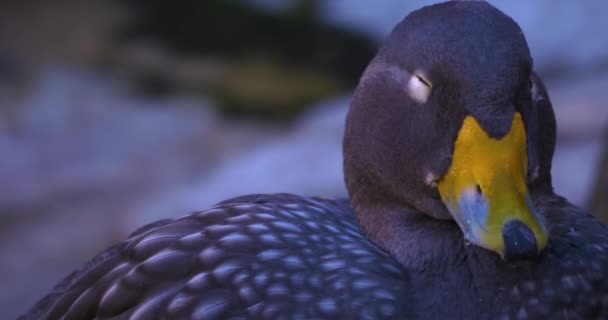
[{"x": 418, "y": 88}]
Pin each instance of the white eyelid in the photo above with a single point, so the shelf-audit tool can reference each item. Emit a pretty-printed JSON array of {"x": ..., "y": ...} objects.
[{"x": 418, "y": 89}]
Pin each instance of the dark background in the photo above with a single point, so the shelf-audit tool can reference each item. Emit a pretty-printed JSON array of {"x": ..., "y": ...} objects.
[{"x": 118, "y": 113}]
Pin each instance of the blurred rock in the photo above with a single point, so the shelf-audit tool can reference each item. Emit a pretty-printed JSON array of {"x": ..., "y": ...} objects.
[
  {"x": 76, "y": 130},
  {"x": 306, "y": 160},
  {"x": 78, "y": 156}
]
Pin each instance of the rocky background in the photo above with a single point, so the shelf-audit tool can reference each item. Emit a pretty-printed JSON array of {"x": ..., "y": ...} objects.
[{"x": 117, "y": 113}]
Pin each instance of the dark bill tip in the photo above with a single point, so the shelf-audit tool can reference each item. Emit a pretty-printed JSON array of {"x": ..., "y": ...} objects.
[{"x": 520, "y": 242}]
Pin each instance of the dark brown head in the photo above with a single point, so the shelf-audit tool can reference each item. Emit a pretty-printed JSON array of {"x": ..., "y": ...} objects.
[{"x": 436, "y": 125}]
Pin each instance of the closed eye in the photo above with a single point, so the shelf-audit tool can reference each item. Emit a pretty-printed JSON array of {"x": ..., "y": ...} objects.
[{"x": 419, "y": 88}]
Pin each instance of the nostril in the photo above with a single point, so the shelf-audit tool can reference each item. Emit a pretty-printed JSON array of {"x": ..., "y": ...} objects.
[
  {"x": 478, "y": 189},
  {"x": 520, "y": 242}
]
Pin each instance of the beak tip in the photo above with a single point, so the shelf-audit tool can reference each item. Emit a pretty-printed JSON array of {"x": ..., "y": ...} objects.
[{"x": 520, "y": 243}]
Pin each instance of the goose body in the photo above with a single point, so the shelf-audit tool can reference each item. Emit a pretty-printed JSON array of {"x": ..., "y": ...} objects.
[{"x": 451, "y": 215}]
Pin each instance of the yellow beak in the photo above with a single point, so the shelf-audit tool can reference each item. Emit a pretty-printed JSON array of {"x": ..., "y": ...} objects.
[{"x": 485, "y": 191}]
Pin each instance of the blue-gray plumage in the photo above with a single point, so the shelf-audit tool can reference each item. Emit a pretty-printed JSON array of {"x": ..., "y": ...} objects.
[
  {"x": 260, "y": 257},
  {"x": 392, "y": 250}
]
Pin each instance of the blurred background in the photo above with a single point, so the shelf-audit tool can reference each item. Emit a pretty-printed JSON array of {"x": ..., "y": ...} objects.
[{"x": 117, "y": 113}]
